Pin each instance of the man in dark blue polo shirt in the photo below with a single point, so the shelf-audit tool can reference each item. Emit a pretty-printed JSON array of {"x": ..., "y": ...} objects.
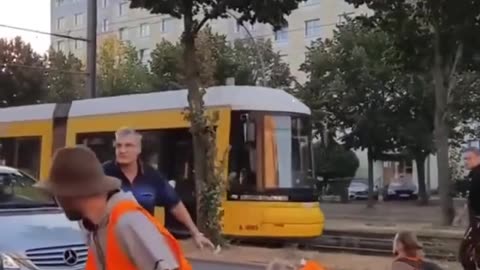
[{"x": 148, "y": 186}]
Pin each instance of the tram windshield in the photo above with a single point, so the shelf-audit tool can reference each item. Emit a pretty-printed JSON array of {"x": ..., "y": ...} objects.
[{"x": 270, "y": 151}]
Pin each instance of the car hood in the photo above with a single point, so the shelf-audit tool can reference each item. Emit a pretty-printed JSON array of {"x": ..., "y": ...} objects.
[
  {"x": 22, "y": 230},
  {"x": 401, "y": 186},
  {"x": 358, "y": 187}
]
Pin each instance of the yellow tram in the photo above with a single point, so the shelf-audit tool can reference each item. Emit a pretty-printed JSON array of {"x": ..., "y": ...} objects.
[{"x": 263, "y": 132}]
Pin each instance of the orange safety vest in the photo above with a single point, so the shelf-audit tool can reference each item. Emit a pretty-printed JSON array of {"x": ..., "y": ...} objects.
[
  {"x": 115, "y": 258},
  {"x": 311, "y": 265}
]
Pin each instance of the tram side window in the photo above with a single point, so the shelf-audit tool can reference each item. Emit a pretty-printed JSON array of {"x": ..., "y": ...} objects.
[
  {"x": 22, "y": 153},
  {"x": 242, "y": 156},
  {"x": 100, "y": 143},
  {"x": 169, "y": 150}
]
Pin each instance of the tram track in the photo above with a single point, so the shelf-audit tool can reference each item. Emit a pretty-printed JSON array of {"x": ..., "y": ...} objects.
[
  {"x": 439, "y": 249},
  {"x": 372, "y": 244}
]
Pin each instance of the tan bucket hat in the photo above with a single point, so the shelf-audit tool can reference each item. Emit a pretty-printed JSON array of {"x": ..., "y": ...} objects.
[{"x": 76, "y": 171}]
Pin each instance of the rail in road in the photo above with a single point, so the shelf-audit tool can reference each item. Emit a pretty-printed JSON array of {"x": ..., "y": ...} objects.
[
  {"x": 212, "y": 265},
  {"x": 441, "y": 249},
  {"x": 374, "y": 244}
]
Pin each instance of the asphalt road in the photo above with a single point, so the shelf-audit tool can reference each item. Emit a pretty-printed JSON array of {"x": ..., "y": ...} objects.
[{"x": 205, "y": 265}]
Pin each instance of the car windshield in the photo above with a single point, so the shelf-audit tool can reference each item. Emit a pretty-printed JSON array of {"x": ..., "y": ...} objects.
[{"x": 17, "y": 191}]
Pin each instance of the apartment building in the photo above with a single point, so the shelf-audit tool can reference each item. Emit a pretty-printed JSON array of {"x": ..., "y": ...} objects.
[{"x": 312, "y": 20}]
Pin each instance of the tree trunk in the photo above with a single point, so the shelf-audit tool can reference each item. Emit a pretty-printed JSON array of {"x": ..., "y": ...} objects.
[
  {"x": 371, "y": 200},
  {"x": 204, "y": 148},
  {"x": 422, "y": 190},
  {"x": 441, "y": 135}
]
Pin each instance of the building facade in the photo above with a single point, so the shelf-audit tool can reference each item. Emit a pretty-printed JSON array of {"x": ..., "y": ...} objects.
[{"x": 312, "y": 20}]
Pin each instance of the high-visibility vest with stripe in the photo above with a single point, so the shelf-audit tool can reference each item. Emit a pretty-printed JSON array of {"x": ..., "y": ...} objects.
[{"x": 115, "y": 258}]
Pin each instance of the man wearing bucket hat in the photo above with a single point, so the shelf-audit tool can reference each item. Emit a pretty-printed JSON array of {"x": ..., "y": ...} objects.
[{"x": 121, "y": 234}]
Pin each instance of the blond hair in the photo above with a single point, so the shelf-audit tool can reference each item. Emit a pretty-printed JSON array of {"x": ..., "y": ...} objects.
[
  {"x": 410, "y": 243},
  {"x": 127, "y": 131}
]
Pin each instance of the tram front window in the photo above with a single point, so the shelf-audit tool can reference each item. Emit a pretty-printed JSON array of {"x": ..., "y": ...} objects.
[
  {"x": 287, "y": 154},
  {"x": 269, "y": 152}
]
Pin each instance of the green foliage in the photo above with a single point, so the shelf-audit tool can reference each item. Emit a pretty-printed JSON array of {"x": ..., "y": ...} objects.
[
  {"x": 65, "y": 78},
  {"x": 249, "y": 66},
  {"x": 120, "y": 69},
  {"x": 22, "y": 79},
  {"x": 350, "y": 80},
  {"x": 334, "y": 161},
  {"x": 438, "y": 39},
  {"x": 165, "y": 66},
  {"x": 219, "y": 61}
]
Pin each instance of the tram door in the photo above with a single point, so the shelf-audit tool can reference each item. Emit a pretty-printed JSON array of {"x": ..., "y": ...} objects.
[{"x": 172, "y": 155}]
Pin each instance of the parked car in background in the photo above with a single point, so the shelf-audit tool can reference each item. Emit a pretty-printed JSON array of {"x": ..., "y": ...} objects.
[
  {"x": 34, "y": 231},
  {"x": 401, "y": 188},
  {"x": 358, "y": 189}
]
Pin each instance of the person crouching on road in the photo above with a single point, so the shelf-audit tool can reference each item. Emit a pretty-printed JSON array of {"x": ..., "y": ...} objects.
[
  {"x": 409, "y": 255},
  {"x": 121, "y": 234}
]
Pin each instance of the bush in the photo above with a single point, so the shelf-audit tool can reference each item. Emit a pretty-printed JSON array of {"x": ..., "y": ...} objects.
[
  {"x": 337, "y": 166},
  {"x": 334, "y": 161}
]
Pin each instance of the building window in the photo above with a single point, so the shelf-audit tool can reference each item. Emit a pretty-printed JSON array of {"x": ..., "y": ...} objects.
[
  {"x": 59, "y": 2},
  {"x": 60, "y": 23},
  {"x": 123, "y": 8},
  {"x": 238, "y": 27},
  {"x": 144, "y": 30},
  {"x": 342, "y": 17},
  {"x": 123, "y": 34},
  {"x": 105, "y": 24},
  {"x": 312, "y": 28},
  {"x": 79, "y": 19},
  {"x": 78, "y": 44},
  {"x": 281, "y": 35},
  {"x": 104, "y": 3},
  {"x": 60, "y": 45},
  {"x": 144, "y": 55},
  {"x": 167, "y": 25}
]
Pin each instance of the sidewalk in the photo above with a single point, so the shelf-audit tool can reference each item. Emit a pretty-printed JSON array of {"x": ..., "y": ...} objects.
[{"x": 262, "y": 256}]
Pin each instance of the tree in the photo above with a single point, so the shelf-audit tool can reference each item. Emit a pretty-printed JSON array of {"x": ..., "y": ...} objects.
[
  {"x": 215, "y": 58},
  {"x": 334, "y": 161},
  {"x": 414, "y": 122},
  {"x": 22, "y": 79},
  {"x": 65, "y": 77},
  {"x": 165, "y": 66},
  {"x": 195, "y": 14},
  {"x": 439, "y": 38},
  {"x": 249, "y": 70},
  {"x": 350, "y": 80},
  {"x": 220, "y": 61},
  {"x": 120, "y": 69},
  {"x": 213, "y": 54}
]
